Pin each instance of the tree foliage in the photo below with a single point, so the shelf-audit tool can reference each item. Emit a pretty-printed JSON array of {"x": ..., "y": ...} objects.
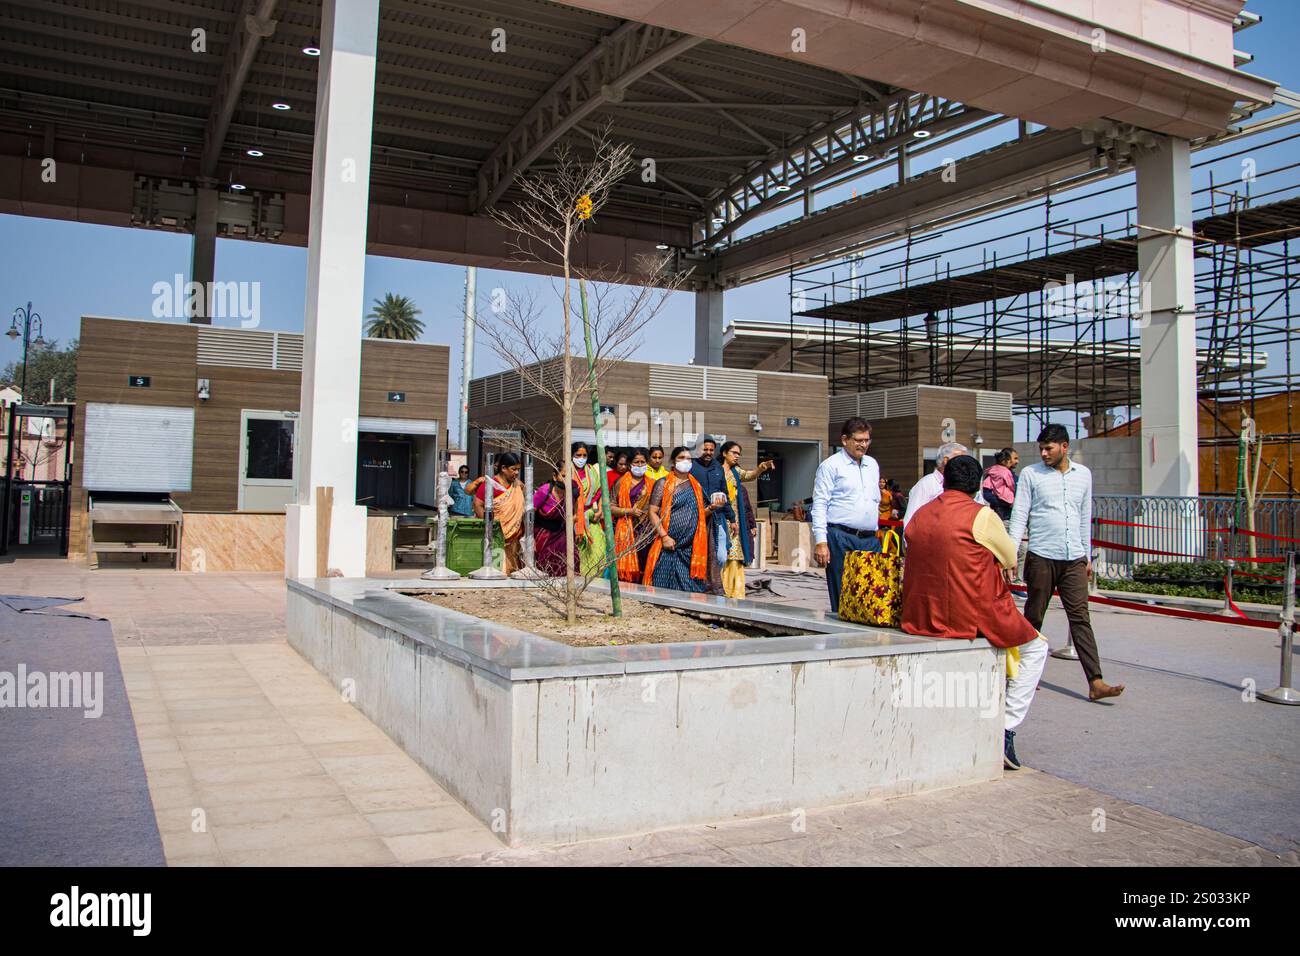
[
  {"x": 43, "y": 364},
  {"x": 394, "y": 317}
]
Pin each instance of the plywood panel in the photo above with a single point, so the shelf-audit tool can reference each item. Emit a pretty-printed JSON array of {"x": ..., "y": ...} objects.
[
  {"x": 379, "y": 545},
  {"x": 232, "y": 542}
]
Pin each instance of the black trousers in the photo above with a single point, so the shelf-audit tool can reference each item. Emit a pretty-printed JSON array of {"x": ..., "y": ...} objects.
[{"x": 1070, "y": 580}]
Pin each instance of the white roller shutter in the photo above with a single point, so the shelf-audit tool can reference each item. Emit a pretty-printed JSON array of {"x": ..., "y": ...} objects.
[
  {"x": 398, "y": 426},
  {"x": 138, "y": 448}
]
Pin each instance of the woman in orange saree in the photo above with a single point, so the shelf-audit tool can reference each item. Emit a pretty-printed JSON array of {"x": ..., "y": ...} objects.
[
  {"x": 679, "y": 555},
  {"x": 632, "y": 531},
  {"x": 507, "y": 505}
]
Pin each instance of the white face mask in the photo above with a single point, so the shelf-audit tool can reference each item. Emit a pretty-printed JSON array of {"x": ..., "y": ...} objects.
[
  {"x": 638, "y": 471},
  {"x": 684, "y": 466},
  {"x": 579, "y": 462}
]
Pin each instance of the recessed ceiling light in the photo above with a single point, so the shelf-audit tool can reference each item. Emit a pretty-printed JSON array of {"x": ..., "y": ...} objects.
[
  {"x": 920, "y": 134},
  {"x": 237, "y": 186},
  {"x": 860, "y": 157},
  {"x": 280, "y": 106},
  {"x": 255, "y": 153},
  {"x": 718, "y": 220},
  {"x": 661, "y": 246},
  {"x": 782, "y": 188},
  {"x": 311, "y": 50}
]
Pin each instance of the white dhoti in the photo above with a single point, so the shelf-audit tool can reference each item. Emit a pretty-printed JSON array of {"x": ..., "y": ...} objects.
[{"x": 1020, "y": 689}]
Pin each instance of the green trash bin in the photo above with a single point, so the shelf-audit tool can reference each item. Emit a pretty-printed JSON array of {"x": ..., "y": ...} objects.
[{"x": 465, "y": 545}]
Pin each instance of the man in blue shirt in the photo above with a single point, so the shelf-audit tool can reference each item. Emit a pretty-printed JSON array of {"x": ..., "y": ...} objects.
[
  {"x": 1054, "y": 498},
  {"x": 707, "y": 470},
  {"x": 846, "y": 505}
]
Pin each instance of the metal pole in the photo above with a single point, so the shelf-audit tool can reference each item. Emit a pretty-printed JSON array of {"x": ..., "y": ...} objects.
[
  {"x": 487, "y": 572},
  {"x": 9, "y": 479},
  {"x": 1285, "y": 693},
  {"x": 440, "y": 571},
  {"x": 467, "y": 361},
  {"x": 529, "y": 569}
]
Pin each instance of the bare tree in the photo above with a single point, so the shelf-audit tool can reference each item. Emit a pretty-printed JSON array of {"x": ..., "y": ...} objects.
[{"x": 545, "y": 224}]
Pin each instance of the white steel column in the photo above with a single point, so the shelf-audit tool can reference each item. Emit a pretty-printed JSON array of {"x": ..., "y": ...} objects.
[
  {"x": 708, "y": 327},
  {"x": 1167, "y": 270},
  {"x": 326, "y": 455}
]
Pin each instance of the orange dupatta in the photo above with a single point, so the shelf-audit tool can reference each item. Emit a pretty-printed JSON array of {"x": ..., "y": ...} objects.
[
  {"x": 700, "y": 543},
  {"x": 624, "y": 537},
  {"x": 580, "y": 506},
  {"x": 508, "y": 508}
]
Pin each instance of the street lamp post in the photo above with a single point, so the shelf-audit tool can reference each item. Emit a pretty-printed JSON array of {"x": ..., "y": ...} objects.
[{"x": 30, "y": 319}]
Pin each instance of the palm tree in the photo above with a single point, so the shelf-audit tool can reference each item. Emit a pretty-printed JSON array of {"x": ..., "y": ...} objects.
[{"x": 394, "y": 317}]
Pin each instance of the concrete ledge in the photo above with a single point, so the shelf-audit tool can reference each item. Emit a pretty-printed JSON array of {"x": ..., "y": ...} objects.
[{"x": 550, "y": 743}]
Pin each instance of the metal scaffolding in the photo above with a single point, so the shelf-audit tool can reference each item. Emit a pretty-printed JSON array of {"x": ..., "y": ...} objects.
[{"x": 1044, "y": 301}]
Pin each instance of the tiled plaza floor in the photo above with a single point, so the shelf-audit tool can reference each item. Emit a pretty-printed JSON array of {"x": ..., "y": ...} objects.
[{"x": 239, "y": 732}]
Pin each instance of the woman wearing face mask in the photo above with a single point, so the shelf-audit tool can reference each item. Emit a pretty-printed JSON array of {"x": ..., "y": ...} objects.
[
  {"x": 656, "y": 469},
  {"x": 679, "y": 555},
  {"x": 507, "y": 505},
  {"x": 591, "y": 538},
  {"x": 632, "y": 531}
]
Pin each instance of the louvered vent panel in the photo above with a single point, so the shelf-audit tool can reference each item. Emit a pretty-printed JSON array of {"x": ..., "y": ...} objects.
[
  {"x": 677, "y": 381},
  {"x": 239, "y": 348},
  {"x": 288, "y": 351},
  {"x": 478, "y": 392},
  {"x": 511, "y": 386},
  {"x": 843, "y": 407},
  {"x": 993, "y": 406},
  {"x": 730, "y": 385},
  {"x": 871, "y": 405},
  {"x": 553, "y": 376},
  {"x": 900, "y": 402}
]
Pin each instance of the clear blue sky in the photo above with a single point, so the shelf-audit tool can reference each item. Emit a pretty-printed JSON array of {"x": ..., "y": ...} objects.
[{"x": 73, "y": 269}]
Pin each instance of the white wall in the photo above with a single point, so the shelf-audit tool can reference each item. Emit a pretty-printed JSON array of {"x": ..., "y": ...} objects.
[{"x": 1115, "y": 463}]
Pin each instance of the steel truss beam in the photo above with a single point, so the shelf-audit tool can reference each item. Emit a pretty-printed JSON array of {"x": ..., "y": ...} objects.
[
  {"x": 252, "y": 26},
  {"x": 601, "y": 76},
  {"x": 827, "y": 151}
]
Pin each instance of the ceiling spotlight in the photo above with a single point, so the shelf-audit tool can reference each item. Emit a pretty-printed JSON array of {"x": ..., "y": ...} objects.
[
  {"x": 782, "y": 187},
  {"x": 311, "y": 50},
  {"x": 718, "y": 220},
  {"x": 920, "y": 134},
  {"x": 661, "y": 246},
  {"x": 238, "y": 187},
  {"x": 860, "y": 157},
  {"x": 255, "y": 153},
  {"x": 280, "y": 106}
]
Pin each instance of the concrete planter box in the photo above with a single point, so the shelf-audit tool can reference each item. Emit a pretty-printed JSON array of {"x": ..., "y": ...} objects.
[{"x": 550, "y": 743}]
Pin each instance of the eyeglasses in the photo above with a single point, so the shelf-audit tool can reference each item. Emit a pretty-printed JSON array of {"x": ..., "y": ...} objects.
[{"x": 861, "y": 441}]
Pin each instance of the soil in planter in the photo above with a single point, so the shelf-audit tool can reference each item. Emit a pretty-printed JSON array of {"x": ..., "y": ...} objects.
[{"x": 641, "y": 623}]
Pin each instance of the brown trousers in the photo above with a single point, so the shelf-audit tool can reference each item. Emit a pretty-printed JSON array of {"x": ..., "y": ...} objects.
[{"x": 1070, "y": 580}]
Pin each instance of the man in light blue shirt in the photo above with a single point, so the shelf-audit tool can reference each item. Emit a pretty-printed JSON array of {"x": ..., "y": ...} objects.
[
  {"x": 846, "y": 505},
  {"x": 1054, "y": 498}
]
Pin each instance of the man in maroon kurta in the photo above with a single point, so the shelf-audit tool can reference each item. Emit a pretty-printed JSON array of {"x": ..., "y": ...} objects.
[{"x": 953, "y": 586}]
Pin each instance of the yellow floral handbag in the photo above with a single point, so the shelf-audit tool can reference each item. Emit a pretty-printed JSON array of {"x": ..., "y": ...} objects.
[{"x": 872, "y": 588}]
